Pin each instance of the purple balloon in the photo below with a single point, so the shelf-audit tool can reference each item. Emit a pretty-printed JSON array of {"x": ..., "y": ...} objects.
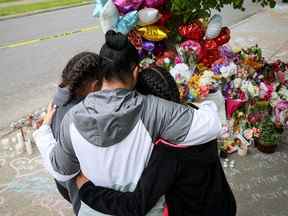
[
  {"x": 154, "y": 3},
  {"x": 148, "y": 46},
  {"x": 125, "y": 6}
]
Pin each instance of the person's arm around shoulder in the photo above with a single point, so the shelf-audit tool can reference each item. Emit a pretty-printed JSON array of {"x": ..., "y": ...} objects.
[{"x": 51, "y": 151}]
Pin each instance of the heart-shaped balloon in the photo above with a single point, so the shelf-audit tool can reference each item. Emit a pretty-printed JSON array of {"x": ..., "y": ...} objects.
[
  {"x": 153, "y": 33},
  {"x": 223, "y": 37},
  {"x": 127, "y": 23},
  {"x": 125, "y": 6},
  {"x": 210, "y": 52},
  {"x": 99, "y": 7},
  {"x": 164, "y": 18},
  {"x": 193, "y": 46},
  {"x": 193, "y": 31},
  {"x": 148, "y": 16},
  {"x": 214, "y": 27},
  {"x": 154, "y": 3},
  {"x": 109, "y": 16}
]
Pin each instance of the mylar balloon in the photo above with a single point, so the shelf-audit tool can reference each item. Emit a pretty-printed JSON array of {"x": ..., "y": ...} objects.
[
  {"x": 214, "y": 27},
  {"x": 148, "y": 16},
  {"x": 135, "y": 39},
  {"x": 99, "y": 7},
  {"x": 109, "y": 16},
  {"x": 127, "y": 23},
  {"x": 192, "y": 31},
  {"x": 148, "y": 46},
  {"x": 223, "y": 37},
  {"x": 164, "y": 18},
  {"x": 154, "y": 3},
  {"x": 153, "y": 33},
  {"x": 126, "y": 6}
]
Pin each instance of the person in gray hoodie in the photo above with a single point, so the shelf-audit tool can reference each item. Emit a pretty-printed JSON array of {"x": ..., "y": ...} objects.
[{"x": 110, "y": 134}]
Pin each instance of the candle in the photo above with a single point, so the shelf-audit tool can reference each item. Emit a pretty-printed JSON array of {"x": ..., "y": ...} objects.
[{"x": 19, "y": 147}]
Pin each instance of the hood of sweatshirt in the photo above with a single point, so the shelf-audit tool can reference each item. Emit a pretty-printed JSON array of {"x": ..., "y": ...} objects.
[{"x": 107, "y": 117}]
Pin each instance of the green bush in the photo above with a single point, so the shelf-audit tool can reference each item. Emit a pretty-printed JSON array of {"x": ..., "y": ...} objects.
[{"x": 188, "y": 10}]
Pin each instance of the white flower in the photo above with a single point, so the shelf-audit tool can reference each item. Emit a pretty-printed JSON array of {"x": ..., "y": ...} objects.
[
  {"x": 181, "y": 72},
  {"x": 206, "y": 78},
  {"x": 237, "y": 82},
  {"x": 229, "y": 70}
]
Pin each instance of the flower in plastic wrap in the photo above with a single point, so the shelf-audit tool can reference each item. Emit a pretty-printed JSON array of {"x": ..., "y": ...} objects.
[
  {"x": 228, "y": 70},
  {"x": 181, "y": 73}
]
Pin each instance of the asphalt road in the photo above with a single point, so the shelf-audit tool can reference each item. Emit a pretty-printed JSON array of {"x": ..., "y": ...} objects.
[{"x": 30, "y": 71}]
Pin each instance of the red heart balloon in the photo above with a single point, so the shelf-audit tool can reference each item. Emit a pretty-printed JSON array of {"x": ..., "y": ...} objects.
[
  {"x": 192, "y": 31},
  {"x": 210, "y": 52},
  {"x": 165, "y": 17},
  {"x": 224, "y": 36}
]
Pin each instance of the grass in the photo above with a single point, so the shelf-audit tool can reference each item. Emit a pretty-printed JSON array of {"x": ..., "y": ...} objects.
[
  {"x": 45, "y": 5},
  {"x": 5, "y": 1}
]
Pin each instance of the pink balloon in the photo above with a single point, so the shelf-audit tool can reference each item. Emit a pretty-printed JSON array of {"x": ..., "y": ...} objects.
[
  {"x": 193, "y": 46},
  {"x": 125, "y": 6},
  {"x": 154, "y": 3}
]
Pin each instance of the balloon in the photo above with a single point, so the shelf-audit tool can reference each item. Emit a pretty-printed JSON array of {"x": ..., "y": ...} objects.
[
  {"x": 214, "y": 27},
  {"x": 153, "y": 33},
  {"x": 192, "y": 31},
  {"x": 127, "y": 23},
  {"x": 148, "y": 16},
  {"x": 135, "y": 39},
  {"x": 193, "y": 46},
  {"x": 210, "y": 52},
  {"x": 109, "y": 16},
  {"x": 148, "y": 46},
  {"x": 154, "y": 3},
  {"x": 223, "y": 37},
  {"x": 126, "y": 6},
  {"x": 99, "y": 7},
  {"x": 164, "y": 18}
]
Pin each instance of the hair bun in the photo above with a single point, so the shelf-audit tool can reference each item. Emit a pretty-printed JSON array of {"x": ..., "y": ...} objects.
[{"x": 116, "y": 40}]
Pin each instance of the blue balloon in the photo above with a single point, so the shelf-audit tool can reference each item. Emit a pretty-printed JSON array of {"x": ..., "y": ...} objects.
[
  {"x": 128, "y": 22},
  {"x": 99, "y": 7}
]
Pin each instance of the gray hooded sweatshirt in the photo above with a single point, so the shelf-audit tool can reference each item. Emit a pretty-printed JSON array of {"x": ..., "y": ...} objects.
[{"x": 110, "y": 135}]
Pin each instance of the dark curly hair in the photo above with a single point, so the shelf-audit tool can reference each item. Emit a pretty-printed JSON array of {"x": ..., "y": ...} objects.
[
  {"x": 158, "y": 82},
  {"x": 81, "y": 69}
]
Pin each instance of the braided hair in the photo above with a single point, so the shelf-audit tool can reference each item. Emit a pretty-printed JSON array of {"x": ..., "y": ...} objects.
[
  {"x": 158, "y": 82},
  {"x": 81, "y": 69}
]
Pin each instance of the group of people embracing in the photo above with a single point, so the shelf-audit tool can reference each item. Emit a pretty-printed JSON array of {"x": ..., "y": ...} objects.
[{"x": 118, "y": 141}]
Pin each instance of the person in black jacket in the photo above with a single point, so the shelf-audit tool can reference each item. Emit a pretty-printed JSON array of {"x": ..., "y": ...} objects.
[{"x": 192, "y": 179}]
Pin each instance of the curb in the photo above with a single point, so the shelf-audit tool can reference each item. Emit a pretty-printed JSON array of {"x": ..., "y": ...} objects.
[{"x": 43, "y": 11}]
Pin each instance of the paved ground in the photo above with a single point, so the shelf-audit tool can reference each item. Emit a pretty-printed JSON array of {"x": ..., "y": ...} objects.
[{"x": 259, "y": 181}]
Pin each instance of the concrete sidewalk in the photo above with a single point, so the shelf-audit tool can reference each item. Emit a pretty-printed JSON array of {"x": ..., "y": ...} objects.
[{"x": 259, "y": 181}]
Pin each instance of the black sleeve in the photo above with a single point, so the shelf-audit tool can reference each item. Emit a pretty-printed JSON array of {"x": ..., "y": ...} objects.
[{"x": 155, "y": 181}]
